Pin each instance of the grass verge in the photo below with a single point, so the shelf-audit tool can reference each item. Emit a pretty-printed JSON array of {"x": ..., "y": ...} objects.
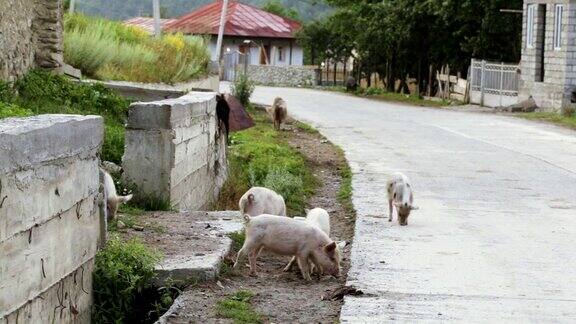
[
  {"x": 237, "y": 307},
  {"x": 260, "y": 156},
  {"x": 384, "y": 95},
  {"x": 551, "y": 117}
]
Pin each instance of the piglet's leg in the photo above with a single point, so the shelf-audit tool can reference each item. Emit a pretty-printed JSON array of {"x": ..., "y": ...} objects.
[
  {"x": 240, "y": 256},
  {"x": 304, "y": 267},
  {"x": 252, "y": 261},
  {"x": 390, "y": 209},
  {"x": 290, "y": 265}
]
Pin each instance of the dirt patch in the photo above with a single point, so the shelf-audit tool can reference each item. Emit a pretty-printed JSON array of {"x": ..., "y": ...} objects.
[{"x": 284, "y": 297}]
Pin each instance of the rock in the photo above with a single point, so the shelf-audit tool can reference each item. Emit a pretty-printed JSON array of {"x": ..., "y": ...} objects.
[
  {"x": 138, "y": 228},
  {"x": 120, "y": 224}
]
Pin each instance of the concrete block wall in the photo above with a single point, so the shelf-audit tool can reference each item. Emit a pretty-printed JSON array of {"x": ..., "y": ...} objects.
[
  {"x": 554, "y": 92},
  {"x": 30, "y": 36},
  {"x": 175, "y": 150},
  {"x": 281, "y": 75},
  {"x": 49, "y": 220}
]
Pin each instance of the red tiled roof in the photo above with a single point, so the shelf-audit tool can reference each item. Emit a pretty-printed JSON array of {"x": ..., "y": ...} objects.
[
  {"x": 241, "y": 20},
  {"x": 146, "y": 23}
]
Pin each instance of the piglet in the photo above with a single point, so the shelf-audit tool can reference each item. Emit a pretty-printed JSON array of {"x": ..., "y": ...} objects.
[
  {"x": 260, "y": 200},
  {"x": 400, "y": 196},
  {"x": 112, "y": 199},
  {"x": 287, "y": 236},
  {"x": 321, "y": 219}
]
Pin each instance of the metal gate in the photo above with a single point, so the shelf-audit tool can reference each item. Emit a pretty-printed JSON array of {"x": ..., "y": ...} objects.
[
  {"x": 493, "y": 84},
  {"x": 234, "y": 61}
]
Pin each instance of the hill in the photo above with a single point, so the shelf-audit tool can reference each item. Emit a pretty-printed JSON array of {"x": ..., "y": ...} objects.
[{"x": 120, "y": 10}]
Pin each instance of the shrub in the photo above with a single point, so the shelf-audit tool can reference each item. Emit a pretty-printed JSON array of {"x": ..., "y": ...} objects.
[
  {"x": 242, "y": 88},
  {"x": 121, "y": 271},
  {"x": 283, "y": 182}
]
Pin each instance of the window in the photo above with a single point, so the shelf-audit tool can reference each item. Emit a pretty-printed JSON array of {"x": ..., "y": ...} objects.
[
  {"x": 280, "y": 54},
  {"x": 530, "y": 26},
  {"x": 558, "y": 11}
]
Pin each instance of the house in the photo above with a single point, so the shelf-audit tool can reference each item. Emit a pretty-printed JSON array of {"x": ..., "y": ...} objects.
[
  {"x": 548, "y": 64},
  {"x": 266, "y": 38},
  {"x": 146, "y": 23}
]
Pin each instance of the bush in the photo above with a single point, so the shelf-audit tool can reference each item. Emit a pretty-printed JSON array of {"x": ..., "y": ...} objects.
[
  {"x": 569, "y": 111},
  {"x": 121, "y": 271},
  {"x": 242, "y": 88},
  {"x": 109, "y": 50}
]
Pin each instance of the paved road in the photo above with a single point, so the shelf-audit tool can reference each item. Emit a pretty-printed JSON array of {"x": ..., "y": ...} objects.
[{"x": 495, "y": 238}]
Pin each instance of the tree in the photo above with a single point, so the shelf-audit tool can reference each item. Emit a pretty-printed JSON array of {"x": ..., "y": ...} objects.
[{"x": 277, "y": 8}]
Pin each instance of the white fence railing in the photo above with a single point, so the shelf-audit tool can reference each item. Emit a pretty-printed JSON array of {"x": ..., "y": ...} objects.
[{"x": 493, "y": 84}]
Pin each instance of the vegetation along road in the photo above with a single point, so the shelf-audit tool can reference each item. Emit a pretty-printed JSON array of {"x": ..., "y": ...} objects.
[{"x": 493, "y": 239}]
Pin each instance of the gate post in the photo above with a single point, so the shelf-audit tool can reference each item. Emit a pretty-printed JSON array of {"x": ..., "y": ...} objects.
[{"x": 482, "y": 78}]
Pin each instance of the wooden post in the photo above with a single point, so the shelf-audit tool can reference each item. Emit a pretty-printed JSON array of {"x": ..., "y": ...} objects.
[
  {"x": 220, "y": 30},
  {"x": 470, "y": 81},
  {"x": 430, "y": 71},
  {"x": 447, "y": 88}
]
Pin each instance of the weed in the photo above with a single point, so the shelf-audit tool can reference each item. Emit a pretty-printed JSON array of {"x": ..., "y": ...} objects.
[
  {"x": 306, "y": 128},
  {"x": 12, "y": 110},
  {"x": 121, "y": 271},
  {"x": 345, "y": 192},
  {"x": 237, "y": 307},
  {"x": 237, "y": 240},
  {"x": 551, "y": 117},
  {"x": 242, "y": 88}
]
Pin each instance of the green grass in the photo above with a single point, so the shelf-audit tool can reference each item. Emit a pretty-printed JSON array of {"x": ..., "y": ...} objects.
[
  {"x": 40, "y": 92},
  {"x": 260, "y": 156},
  {"x": 237, "y": 240},
  {"x": 237, "y": 308},
  {"x": 551, "y": 117},
  {"x": 110, "y": 50}
]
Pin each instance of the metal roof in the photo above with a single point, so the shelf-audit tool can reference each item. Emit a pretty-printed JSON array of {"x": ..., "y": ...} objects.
[
  {"x": 241, "y": 20},
  {"x": 146, "y": 23}
]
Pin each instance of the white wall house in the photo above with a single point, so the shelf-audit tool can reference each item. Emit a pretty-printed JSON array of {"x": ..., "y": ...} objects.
[{"x": 268, "y": 39}]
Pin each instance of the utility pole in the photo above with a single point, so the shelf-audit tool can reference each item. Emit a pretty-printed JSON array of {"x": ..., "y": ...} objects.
[
  {"x": 156, "y": 13},
  {"x": 71, "y": 9},
  {"x": 221, "y": 30}
]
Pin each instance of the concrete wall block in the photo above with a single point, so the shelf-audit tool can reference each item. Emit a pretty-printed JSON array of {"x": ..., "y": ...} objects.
[
  {"x": 189, "y": 148},
  {"x": 190, "y": 165},
  {"x": 43, "y": 256},
  {"x": 163, "y": 153},
  {"x": 147, "y": 161},
  {"x": 33, "y": 196},
  {"x": 60, "y": 302},
  {"x": 31, "y": 141}
]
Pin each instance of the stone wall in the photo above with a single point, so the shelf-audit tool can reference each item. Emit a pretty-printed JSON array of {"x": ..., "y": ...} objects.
[
  {"x": 175, "y": 150},
  {"x": 282, "y": 75},
  {"x": 49, "y": 219},
  {"x": 30, "y": 36},
  {"x": 554, "y": 90}
]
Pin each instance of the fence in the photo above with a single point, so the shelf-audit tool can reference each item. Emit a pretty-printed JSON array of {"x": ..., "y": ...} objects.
[
  {"x": 234, "y": 61},
  {"x": 493, "y": 84}
]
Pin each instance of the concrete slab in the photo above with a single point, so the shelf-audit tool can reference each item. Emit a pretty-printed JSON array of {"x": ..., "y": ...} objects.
[{"x": 193, "y": 243}]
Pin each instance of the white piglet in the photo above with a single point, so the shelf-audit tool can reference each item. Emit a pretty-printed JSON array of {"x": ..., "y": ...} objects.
[
  {"x": 287, "y": 236},
  {"x": 321, "y": 219},
  {"x": 260, "y": 200},
  {"x": 400, "y": 195},
  {"x": 112, "y": 199}
]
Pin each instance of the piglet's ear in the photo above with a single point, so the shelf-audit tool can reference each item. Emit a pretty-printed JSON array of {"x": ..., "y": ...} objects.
[{"x": 330, "y": 247}]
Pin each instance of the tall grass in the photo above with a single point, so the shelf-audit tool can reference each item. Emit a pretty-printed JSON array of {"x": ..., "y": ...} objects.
[{"x": 109, "y": 50}]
